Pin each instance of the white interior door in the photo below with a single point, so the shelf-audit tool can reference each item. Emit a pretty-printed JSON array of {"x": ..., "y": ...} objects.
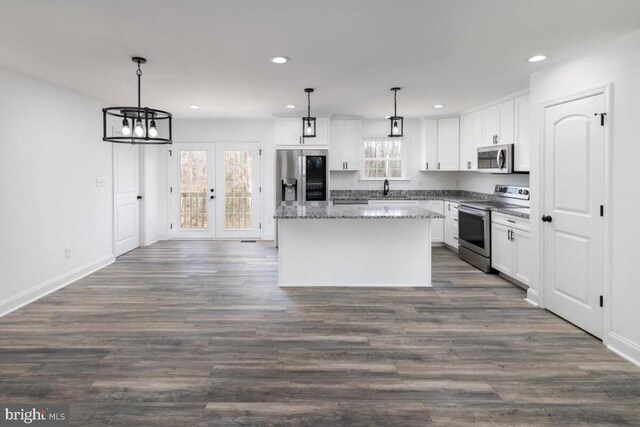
[
  {"x": 573, "y": 192},
  {"x": 193, "y": 192},
  {"x": 126, "y": 189},
  {"x": 238, "y": 179}
]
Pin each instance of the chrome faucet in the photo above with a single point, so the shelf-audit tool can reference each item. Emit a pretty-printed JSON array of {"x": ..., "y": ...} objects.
[{"x": 385, "y": 191}]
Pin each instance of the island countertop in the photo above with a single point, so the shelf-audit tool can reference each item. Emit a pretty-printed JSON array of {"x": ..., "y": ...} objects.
[{"x": 355, "y": 212}]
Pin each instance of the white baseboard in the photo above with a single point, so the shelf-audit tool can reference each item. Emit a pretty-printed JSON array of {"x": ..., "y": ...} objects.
[
  {"x": 532, "y": 297},
  {"x": 623, "y": 347},
  {"x": 359, "y": 285},
  {"x": 15, "y": 302},
  {"x": 152, "y": 240}
]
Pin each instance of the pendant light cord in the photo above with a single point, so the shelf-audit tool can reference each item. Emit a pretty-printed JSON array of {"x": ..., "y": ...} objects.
[
  {"x": 139, "y": 74},
  {"x": 395, "y": 103},
  {"x": 308, "y": 105}
]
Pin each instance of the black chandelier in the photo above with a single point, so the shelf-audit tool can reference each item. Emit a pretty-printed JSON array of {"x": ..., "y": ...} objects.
[
  {"x": 150, "y": 126},
  {"x": 397, "y": 122},
  {"x": 309, "y": 123}
]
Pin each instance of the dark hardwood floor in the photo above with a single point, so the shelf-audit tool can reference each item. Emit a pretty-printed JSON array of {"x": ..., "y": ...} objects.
[{"x": 198, "y": 333}]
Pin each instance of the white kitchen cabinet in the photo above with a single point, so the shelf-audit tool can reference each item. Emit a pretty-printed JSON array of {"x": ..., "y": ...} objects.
[
  {"x": 440, "y": 144},
  {"x": 511, "y": 248},
  {"x": 498, "y": 124},
  {"x": 345, "y": 145},
  {"x": 449, "y": 144},
  {"x": 451, "y": 225},
  {"x": 522, "y": 138},
  {"x": 428, "y": 145},
  {"x": 470, "y": 137},
  {"x": 288, "y": 132},
  {"x": 437, "y": 225}
]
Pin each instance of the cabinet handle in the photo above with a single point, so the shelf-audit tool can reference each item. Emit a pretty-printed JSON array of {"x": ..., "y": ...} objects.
[
  {"x": 511, "y": 221},
  {"x": 438, "y": 165},
  {"x": 427, "y": 168},
  {"x": 347, "y": 163}
]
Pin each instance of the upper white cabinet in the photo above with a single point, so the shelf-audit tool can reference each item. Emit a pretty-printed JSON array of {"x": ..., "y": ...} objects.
[
  {"x": 449, "y": 144},
  {"x": 429, "y": 145},
  {"x": 440, "y": 144},
  {"x": 470, "y": 136},
  {"x": 345, "y": 145},
  {"x": 498, "y": 124},
  {"x": 288, "y": 132},
  {"x": 522, "y": 139}
]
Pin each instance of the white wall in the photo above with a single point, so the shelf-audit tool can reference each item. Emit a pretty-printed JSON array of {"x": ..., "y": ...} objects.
[
  {"x": 239, "y": 130},
  {"x": 486, "y": 182},
  {"x": 616, "y": 62},
  {"x": 416, "y": 180},
  {"x": 51, "y": 153}
]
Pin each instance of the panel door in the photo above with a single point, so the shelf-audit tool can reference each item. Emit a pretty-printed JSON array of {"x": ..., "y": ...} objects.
[
  {"x": 501, "y": 249},
  {"x": 238, "y": 181},
  {"x": 522, "y": 256},
  {"x": 449, "y": 144},
  {"x": 573, "y": 192},
  {"x": 126, "y": 189}
]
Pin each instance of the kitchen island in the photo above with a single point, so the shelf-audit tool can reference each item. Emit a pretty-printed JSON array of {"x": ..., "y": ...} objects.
[{"x": 356, "y": 245}]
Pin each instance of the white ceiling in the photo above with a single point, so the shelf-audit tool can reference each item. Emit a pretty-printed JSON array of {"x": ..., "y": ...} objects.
[{"x": 216, "y": 53}]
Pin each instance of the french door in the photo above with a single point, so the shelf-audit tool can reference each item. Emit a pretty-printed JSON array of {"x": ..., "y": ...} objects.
[
  {"x": 216, "y": 191},
  {"x": 574, "y": 228}
]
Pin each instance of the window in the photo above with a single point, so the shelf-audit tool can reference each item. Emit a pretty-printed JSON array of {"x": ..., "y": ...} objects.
[{"x": 383, "y": 158}]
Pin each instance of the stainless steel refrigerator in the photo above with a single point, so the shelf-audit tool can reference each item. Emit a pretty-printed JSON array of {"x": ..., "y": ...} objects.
[{"x": 302, "y": 178}]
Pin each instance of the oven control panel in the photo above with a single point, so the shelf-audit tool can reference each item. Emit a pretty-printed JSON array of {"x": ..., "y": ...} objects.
[{"x": 512, "y": 192}]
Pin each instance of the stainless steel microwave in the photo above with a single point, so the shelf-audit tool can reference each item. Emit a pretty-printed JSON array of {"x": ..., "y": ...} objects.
[{"x": 496, "y": 159}]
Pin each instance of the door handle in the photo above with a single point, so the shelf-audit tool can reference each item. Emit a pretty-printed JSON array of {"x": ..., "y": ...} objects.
[
  {"x": 212, "y": 197},
  {"x": 139, "y": 197},
  {"x": 546, "y": 218}
]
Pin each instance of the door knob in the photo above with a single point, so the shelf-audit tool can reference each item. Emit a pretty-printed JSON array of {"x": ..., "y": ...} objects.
[
  {"x": 212, "y": 197},
  {"x": 139, "y": 197},
  {"x": 546, "y": 218}
]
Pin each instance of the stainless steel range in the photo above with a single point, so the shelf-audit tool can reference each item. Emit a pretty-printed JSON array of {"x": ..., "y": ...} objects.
[{"x": 474, "y": 222}]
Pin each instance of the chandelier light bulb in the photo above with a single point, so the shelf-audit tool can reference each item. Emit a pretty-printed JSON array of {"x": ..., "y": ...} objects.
[
  {"x": 396, "y": 129},
  {"x": 309, "y": 130},
  {"x": 126, "y": 130},
  {"x": 139, "y": 130},
  {"x": 153, "y": 131}
]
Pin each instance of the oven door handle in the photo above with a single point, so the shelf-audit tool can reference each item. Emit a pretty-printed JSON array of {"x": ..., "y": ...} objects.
[{"x": 474, "y": 212}]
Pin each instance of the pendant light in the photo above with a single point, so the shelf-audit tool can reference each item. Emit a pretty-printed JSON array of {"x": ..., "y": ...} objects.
[
  {"x": 309, "y": 123},
  {"x": 136, "y": 125},
  {"x": 397, "y": 122}
]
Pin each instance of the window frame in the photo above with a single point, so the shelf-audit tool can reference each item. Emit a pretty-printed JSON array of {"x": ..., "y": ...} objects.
[{"x": 402, "y": 158}]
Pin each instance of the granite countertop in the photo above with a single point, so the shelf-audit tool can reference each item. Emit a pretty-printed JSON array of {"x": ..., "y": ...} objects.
[
  {"x": 448, "y": 195},
  {"x": 355, "y": 212}
]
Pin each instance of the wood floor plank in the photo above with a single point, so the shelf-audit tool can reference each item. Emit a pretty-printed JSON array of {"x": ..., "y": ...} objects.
[{"x": 198, "y": 333}]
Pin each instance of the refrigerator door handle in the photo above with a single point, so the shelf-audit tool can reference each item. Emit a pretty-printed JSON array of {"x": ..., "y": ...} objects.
[{"x": 303, "y": 161}]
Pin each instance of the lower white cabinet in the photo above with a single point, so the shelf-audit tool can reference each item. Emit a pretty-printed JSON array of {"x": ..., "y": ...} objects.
[
  {"x": 437, "y": 225},
  {"x": 451, "y": 225},
  {"x": 511, "y": 249}
]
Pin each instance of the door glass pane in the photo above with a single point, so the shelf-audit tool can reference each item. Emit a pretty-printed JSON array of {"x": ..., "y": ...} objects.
[
  {"x": 238, "y": 190},
  {"x": 316, "y": 178},
  {"x": 193, "y": 190},
  {"x": 471, "y": 229}
]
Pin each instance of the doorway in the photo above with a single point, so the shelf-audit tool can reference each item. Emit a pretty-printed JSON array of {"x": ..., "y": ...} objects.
[
  {"x": 574, "y": 196},
  {"x": 216, "y": 191},
  {"x": 126, "y": 198}
]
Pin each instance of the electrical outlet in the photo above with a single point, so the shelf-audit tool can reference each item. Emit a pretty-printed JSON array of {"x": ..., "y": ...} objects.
[{"x": 67, "y": 253}]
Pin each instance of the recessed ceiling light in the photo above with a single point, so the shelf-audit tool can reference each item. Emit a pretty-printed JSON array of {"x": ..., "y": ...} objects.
[
  {"x": 291, "y": 106},
  {"x": 280, "y": 59},
  {"x": 438, "y": 106},
  {"x": 194, "y": 107},
  {"x": 537, "y": 58}
]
